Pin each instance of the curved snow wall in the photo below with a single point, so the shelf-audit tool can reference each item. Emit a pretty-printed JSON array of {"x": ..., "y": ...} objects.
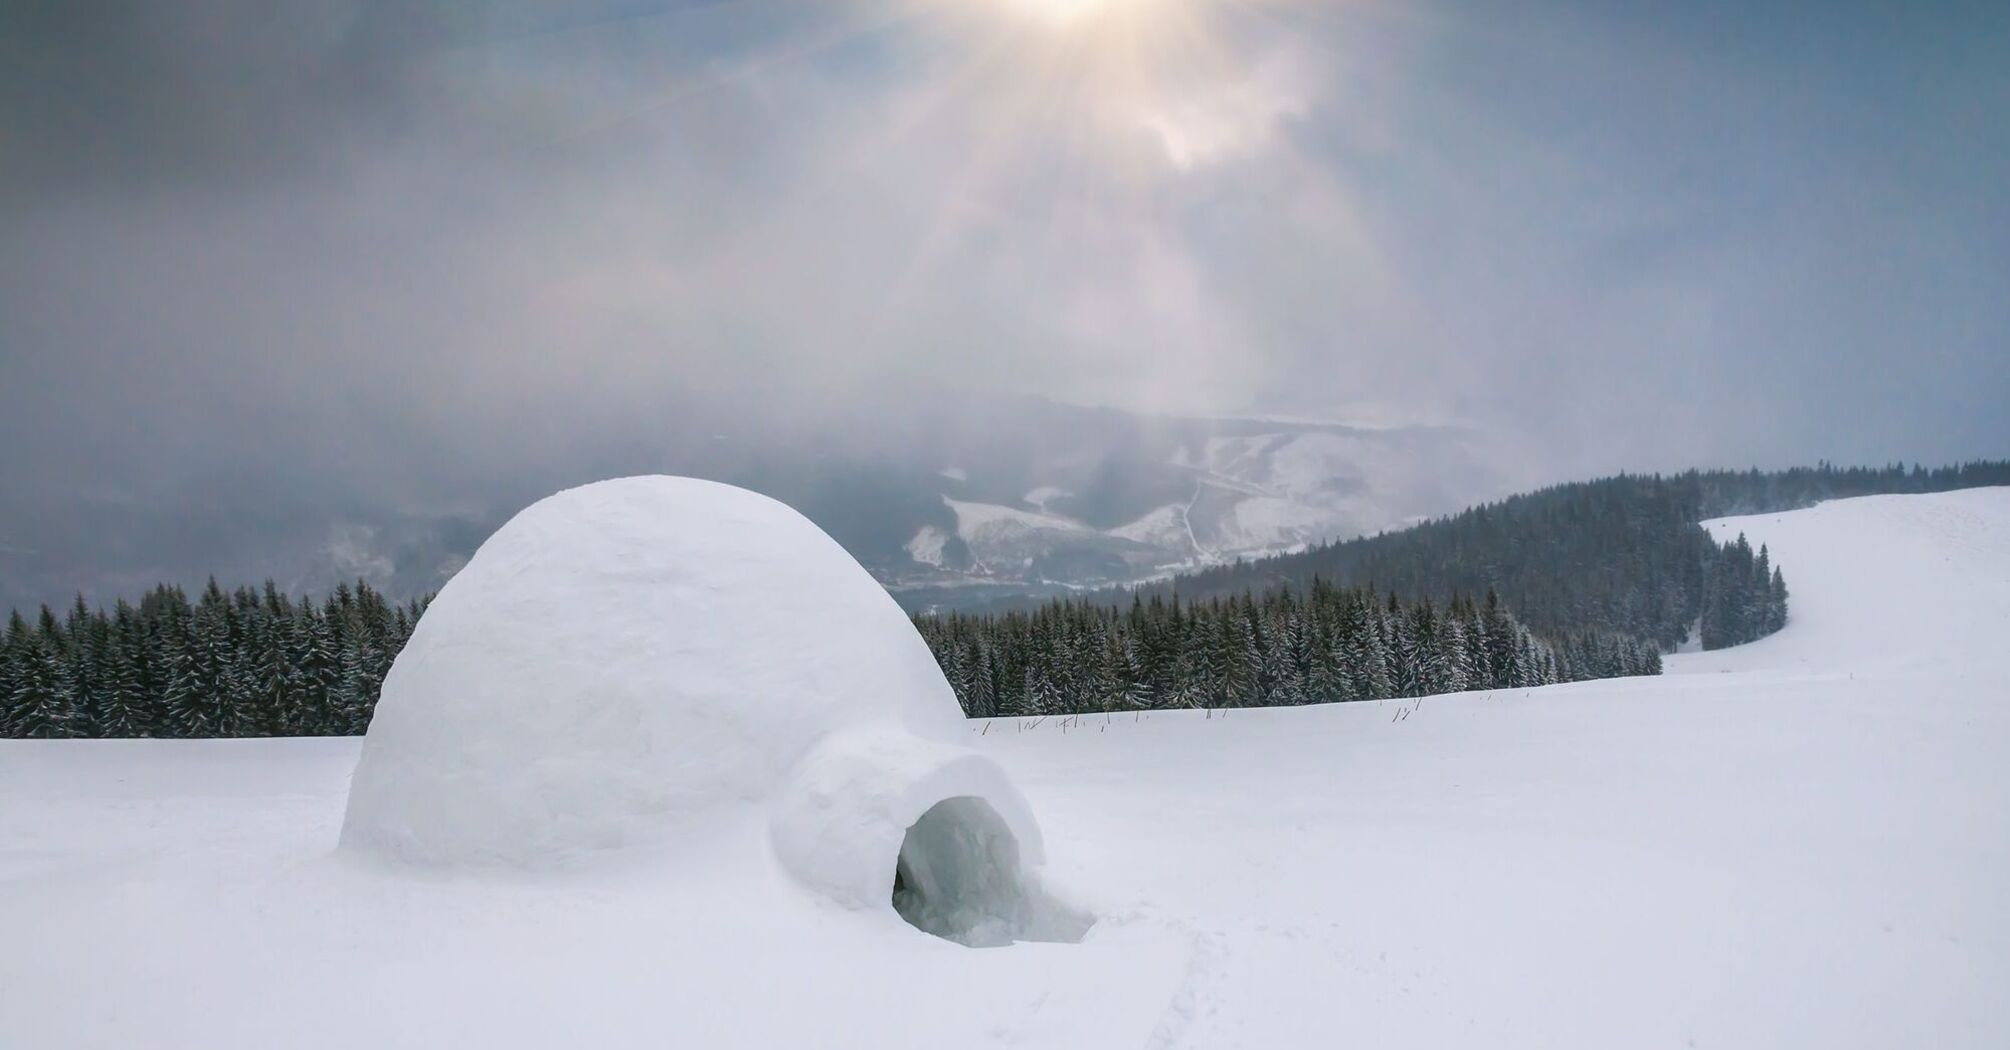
[
  {"x": 936, "y": 829},
  {"x": 737, "y": 666}
]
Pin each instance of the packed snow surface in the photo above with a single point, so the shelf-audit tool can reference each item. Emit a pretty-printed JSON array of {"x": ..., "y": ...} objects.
[
  {"x": 1796, "y": 843},
  {"x": 646, "y": 664},
  {"x": 625, "y": 655}
]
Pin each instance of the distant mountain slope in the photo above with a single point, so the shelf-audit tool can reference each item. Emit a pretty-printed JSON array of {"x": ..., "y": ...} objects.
[{"x": 1143, "y": 498}]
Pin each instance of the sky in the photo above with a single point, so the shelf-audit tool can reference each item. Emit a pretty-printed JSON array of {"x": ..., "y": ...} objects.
[{"x": 266, "y": 262}]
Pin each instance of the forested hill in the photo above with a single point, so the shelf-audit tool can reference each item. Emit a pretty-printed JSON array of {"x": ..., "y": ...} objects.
[
  {"x": 1724, "y": 493},
  {"x": 1622, "y": 554}
]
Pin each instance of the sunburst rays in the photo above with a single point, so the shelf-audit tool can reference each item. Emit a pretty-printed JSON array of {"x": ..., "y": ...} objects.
[{"x": 1037, "y": 144}]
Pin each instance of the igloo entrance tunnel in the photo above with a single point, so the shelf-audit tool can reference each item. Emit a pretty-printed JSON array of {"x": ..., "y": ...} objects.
[
  {"x": 959, "y": 877},
  {"x": 628, "y": 667}
]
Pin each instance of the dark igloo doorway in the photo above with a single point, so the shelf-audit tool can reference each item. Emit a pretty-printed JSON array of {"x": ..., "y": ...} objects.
[{"x": 958, "y": 877}]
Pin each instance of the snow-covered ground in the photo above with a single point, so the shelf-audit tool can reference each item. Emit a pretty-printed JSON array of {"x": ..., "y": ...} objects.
[{"x": 1804, "y": 842}]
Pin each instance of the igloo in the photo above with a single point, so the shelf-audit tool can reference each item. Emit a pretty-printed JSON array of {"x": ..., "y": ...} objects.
[{"x": 625, "y": 666}]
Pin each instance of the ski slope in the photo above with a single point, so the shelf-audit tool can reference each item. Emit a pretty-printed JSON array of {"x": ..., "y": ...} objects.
[{"x": 1803, "y": 842}]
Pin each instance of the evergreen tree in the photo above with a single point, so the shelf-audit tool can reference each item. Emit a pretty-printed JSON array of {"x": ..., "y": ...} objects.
[
  {"x": 127, "y": 711},
  {"x": 43, "y": 702}
]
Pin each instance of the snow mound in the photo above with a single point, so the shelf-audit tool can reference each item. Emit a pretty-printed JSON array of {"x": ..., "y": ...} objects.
[{"x": 631, "y": 663}]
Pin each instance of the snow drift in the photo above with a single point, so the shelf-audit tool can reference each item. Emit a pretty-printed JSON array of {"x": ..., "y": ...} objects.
[{"x": 630, "y": 665}]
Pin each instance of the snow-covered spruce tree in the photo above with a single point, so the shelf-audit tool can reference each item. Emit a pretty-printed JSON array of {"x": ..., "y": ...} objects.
[
  {"x": 1021, "y": 702},
  {"x": 986, "y": 680},
  {"x": 1293, "y": 654},
  {"x": 1222, "y": 659},
  {"x": 1759, "y": 596},
  {"x": 966, "y": 663},
  {"x": 1463, "y": 663},
  {"x": 238, "y": 710},
  {"x": 1138, "y": 692},
  {"x": 1503, "y": 644},
  {"x": 1428, "y": 656},
  {"x": 359, "y": 685},
  {"x": 942, "y": 640},
  {"x": 1187, "y": 687},
  {"x": 1330, "y": 682},
  {"x": 319, "y": 675},
  {"x": 43, "y": 700},
  {"x": 185, "y": 708},
  {"x": 197, "y": 695},
  {"x": 1404, "y": 652},
  {"x": 269, "y": 680},
  {"x": 127, "y": 711},
  {"x": 15, "y": 648},
  {"x": 1116, "y": 673},
  {"x": 1367, "y": 640},
  {"x": 82, "y": 641}
]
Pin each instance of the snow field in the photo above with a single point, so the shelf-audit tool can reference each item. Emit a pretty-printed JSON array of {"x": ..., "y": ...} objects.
[{"x": 1796, "y": 843}]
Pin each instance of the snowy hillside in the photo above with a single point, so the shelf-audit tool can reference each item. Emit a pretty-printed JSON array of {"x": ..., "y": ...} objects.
[{"x": 1796, "y": 843}]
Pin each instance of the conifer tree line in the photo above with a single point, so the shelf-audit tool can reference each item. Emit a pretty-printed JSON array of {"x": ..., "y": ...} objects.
[
  {"x": 245, "y": 663},
  {"x": 1724, "y": 493},
  {"x": 260, "y": 663},
  {"x": 1284, "y": 648},
  {"x": 1624, "y": 554},
  {"x": 1744, "y": 596}
]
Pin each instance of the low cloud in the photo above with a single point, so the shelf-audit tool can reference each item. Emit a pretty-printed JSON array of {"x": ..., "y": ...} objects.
[{"x": 436, "y": 257}]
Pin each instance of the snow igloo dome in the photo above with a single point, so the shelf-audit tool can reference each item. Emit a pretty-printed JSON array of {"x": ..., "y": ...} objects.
[{"x": 624, "y": 663}]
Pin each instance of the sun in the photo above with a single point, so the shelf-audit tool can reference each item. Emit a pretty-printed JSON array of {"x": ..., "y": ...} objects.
[
  {"x": 1102, "y": 77},
  {"x": 1068, "y": 14},
  {"x": 1061, "y": 10}
]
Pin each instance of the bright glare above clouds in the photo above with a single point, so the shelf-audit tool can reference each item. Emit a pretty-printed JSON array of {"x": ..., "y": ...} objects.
[
  {"x": 1107, "y": 75},
  {"x": 1072, "y": 13}
]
